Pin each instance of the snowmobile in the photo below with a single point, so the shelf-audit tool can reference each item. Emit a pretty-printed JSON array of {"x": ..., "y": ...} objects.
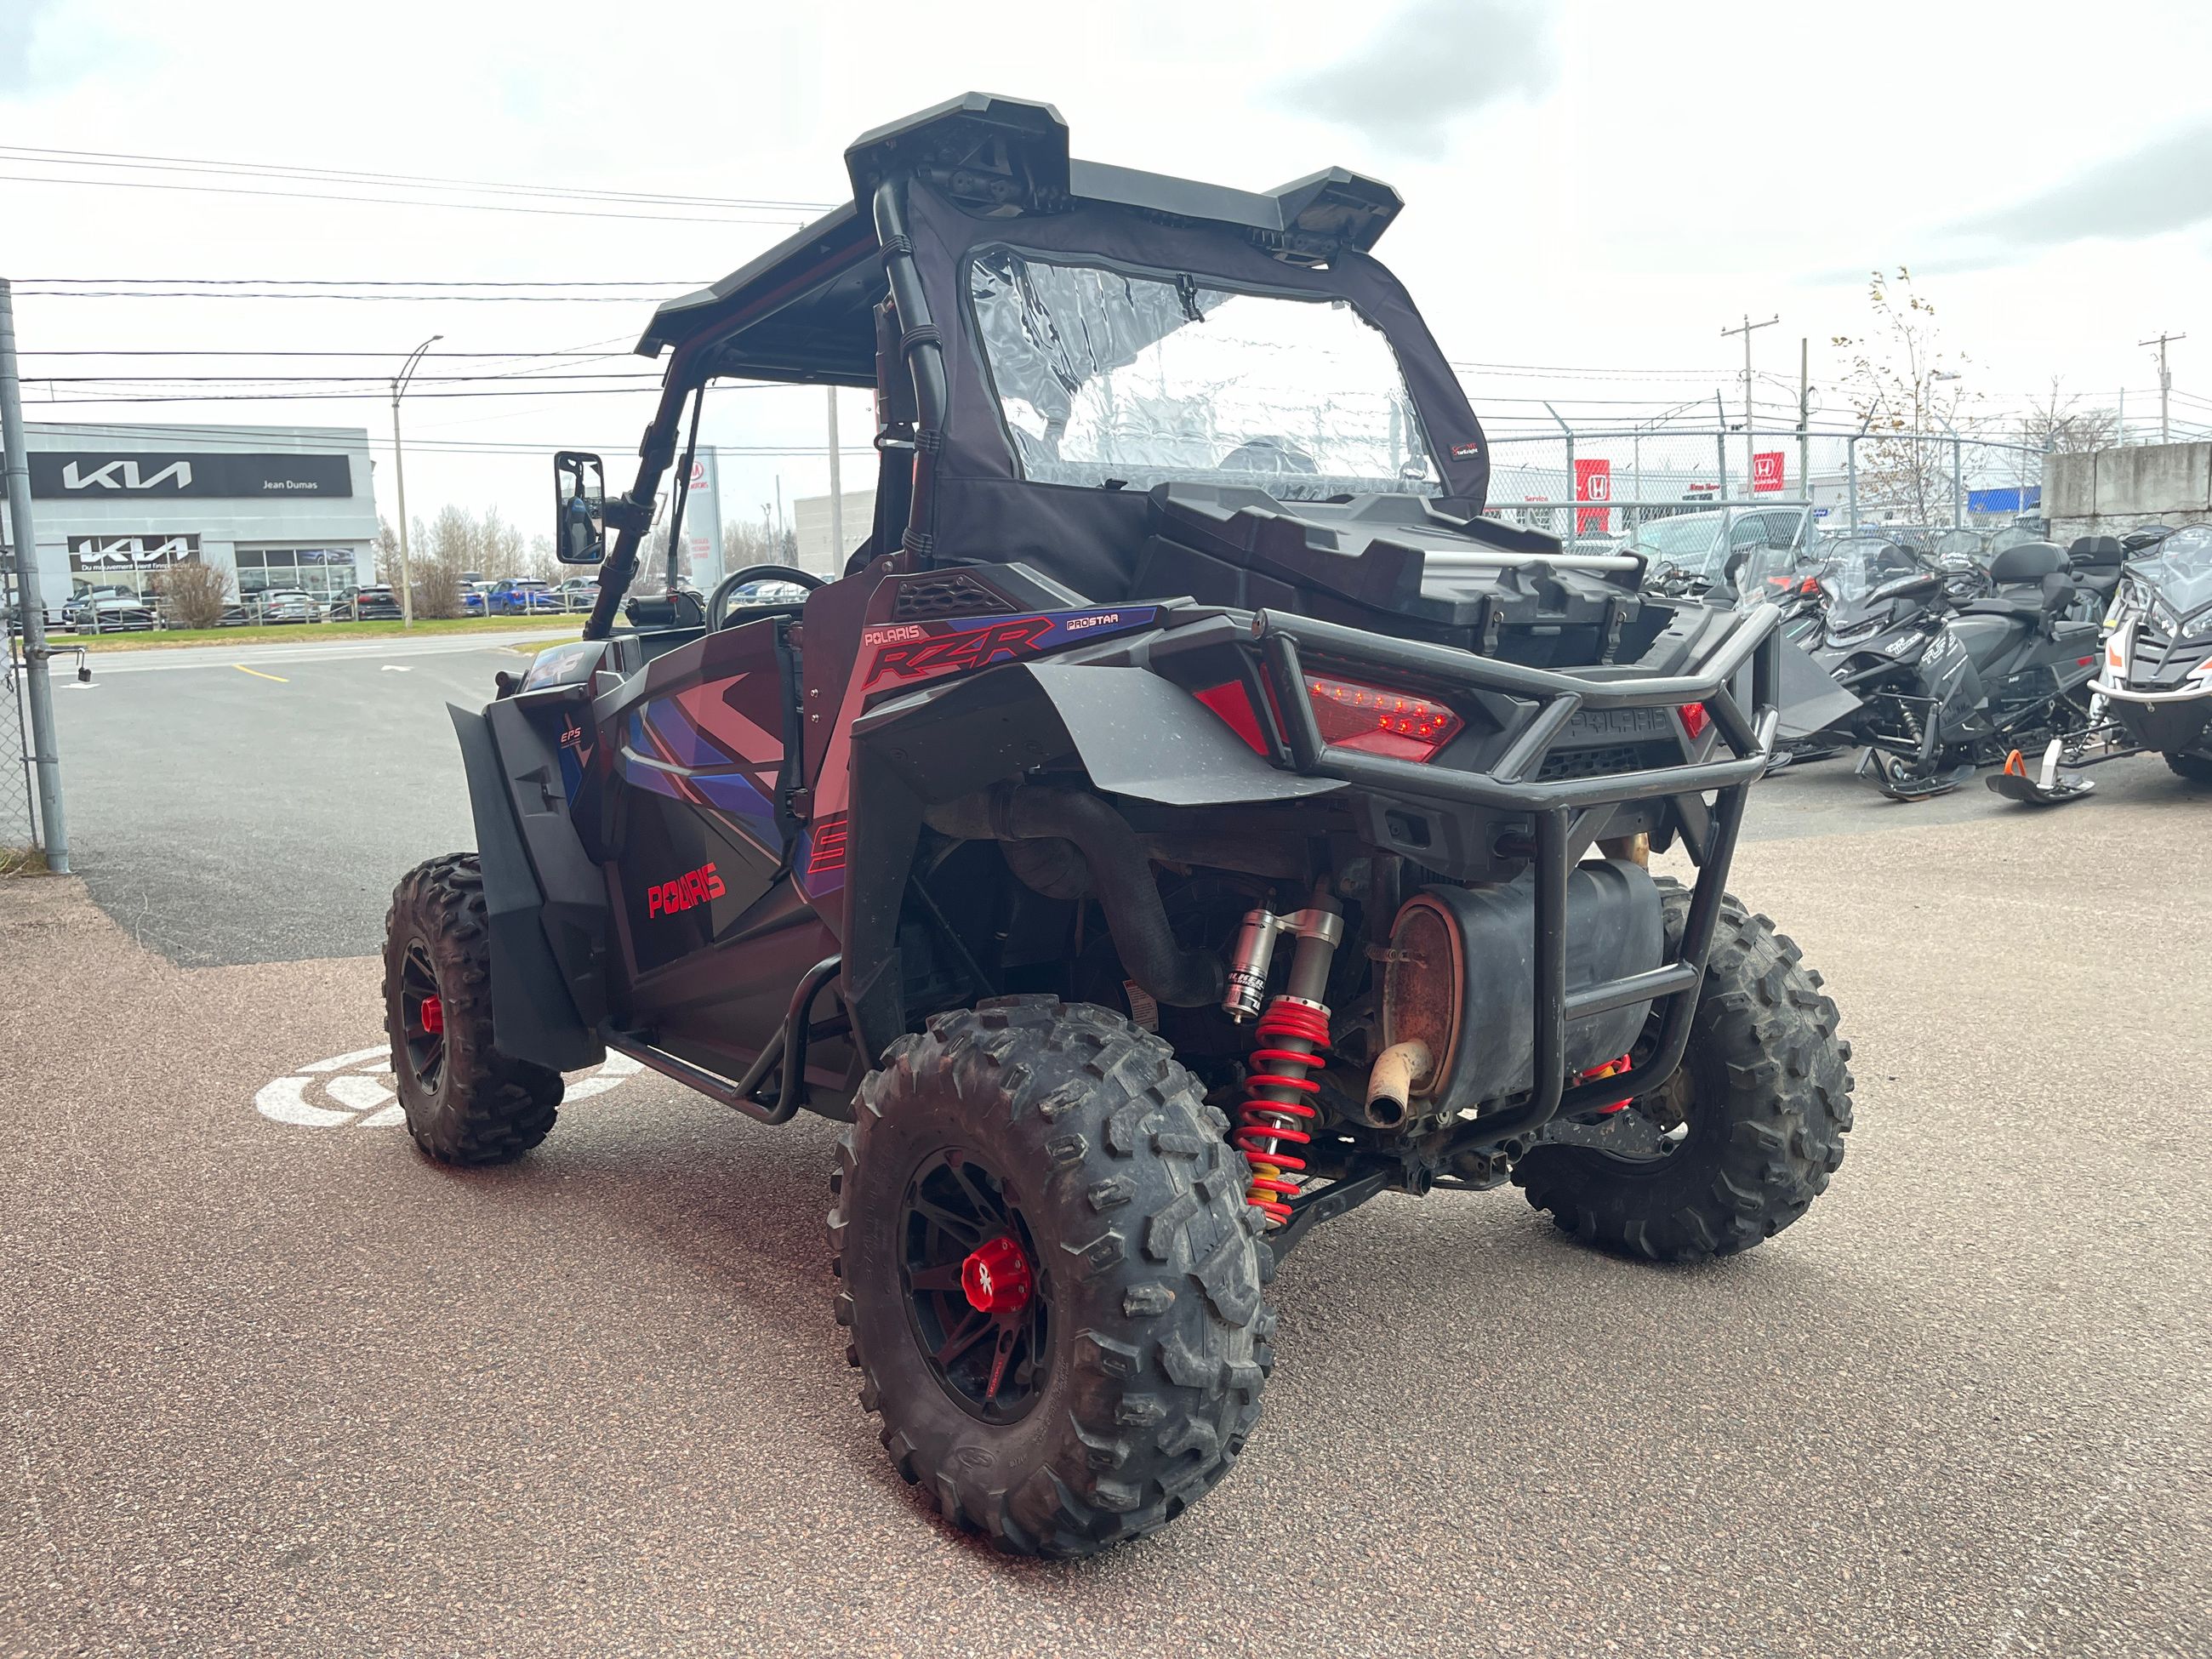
[
  {"x": 1944, "y": 692},
  {"x": 2155, "y": 673},
  {"x": 1183, "y": 818}
]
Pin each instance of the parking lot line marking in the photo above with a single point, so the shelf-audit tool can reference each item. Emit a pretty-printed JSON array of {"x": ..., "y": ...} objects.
[{"x": 259, "y": 675}]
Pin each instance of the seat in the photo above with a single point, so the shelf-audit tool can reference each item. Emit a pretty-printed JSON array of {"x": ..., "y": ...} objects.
[
  {"x": 1996, "y": 604},
  {"x": 2025, "y": 565}
]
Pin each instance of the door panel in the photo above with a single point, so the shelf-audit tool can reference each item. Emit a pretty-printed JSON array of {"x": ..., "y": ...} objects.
[{"x": 700, "y": 748}]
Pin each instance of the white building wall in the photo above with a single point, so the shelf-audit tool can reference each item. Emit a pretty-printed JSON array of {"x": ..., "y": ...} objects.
[{"x": 286, "y": 518}]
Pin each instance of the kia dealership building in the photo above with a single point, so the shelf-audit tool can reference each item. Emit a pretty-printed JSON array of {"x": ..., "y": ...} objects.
[{"x": 271, "y": 507}]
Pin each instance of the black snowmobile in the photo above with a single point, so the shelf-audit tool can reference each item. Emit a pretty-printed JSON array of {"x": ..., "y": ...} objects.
[
  {"x": 2156, "y": 672},
  {"x": 1945, "y": 691},
  {"x": 1185, "y": 819}
]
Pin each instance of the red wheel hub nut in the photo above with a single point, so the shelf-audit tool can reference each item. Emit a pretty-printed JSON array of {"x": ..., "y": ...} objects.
[
  {"x": 995, "y": 1276},
  {"x": 434, "y": 1016}
]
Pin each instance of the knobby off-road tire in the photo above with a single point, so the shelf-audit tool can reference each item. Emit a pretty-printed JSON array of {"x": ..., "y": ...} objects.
[
  {"x": 2198, "y": 768},
  {"x": 1156, "y": 1326},
  {"x": 1767, "y": 1098},
  {"x": 475, "y": 1105}
]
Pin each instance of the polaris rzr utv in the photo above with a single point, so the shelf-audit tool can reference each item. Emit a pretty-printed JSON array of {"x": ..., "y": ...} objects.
[{"x": 1185, "y": 819}]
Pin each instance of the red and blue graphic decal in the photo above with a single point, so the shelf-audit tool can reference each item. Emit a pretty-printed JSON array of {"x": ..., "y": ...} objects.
[
  {"x": 922, "y": 651},
  {"x": 669, "y": 752}
]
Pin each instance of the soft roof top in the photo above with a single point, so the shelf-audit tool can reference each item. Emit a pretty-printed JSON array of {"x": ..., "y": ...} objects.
[{"x": 801, "y": 311}]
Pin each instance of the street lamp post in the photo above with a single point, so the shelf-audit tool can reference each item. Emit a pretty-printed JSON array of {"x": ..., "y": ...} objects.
[{"x": 399, "y": 473}]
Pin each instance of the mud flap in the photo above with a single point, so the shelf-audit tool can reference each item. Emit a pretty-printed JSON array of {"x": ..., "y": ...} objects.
[
  {"x": 2046, "y": 786},
  {"x": 534, "y": 1013}
]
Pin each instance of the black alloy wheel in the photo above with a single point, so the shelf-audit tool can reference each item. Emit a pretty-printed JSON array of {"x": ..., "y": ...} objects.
[
  {"x": 422, "y": 1017},
  {"x": 977, "y": 1300}
]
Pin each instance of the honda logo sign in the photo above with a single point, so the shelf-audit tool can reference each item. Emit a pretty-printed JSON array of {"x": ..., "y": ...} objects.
[{"x": 1766, "y": 471}]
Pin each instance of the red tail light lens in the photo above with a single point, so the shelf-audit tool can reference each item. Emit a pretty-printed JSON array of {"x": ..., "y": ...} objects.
[
  {"x": 1694, "y": 720},
  {"x": 1395, "y": 724}
]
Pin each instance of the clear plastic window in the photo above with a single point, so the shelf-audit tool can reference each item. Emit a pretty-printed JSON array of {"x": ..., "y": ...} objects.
[{"x": 1104, "y": 378}]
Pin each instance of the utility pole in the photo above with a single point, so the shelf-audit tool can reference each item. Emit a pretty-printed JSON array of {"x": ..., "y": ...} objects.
[
  {"x": 836, "y": 495},
  {"x": 1805, "y": 432},
  {"x": 2165, "y": 383},
  {"x": 399, "y": 473},
  {"x": 1750, "y": 466},
  {"x": 53, "y": 822}
]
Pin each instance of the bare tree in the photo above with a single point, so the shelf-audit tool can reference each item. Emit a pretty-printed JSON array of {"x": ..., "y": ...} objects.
[
  {"x": 387, "y": 553},
  {"x": 499, "y": 547},
  {"x": 1908, "y": 393},
  {"x": 451, "y": 549},
  {"x": 539, "y": 564},
  {"x": 2058, "y": 425},
  {"x": 192, "y": 594}
]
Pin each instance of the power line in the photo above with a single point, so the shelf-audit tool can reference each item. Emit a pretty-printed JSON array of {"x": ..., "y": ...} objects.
[
  {"x": 343, "y": 282},
  {"x": 251, "y": 351},
  {"x": 652, "y": 298},
  {"x": 411, "y": 180},
  {"x": 401, "y": 200}
]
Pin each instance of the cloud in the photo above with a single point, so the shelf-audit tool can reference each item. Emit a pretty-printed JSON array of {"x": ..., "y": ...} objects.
[
  {"x": 2165, "y": 185},
  {"x": 18, "y": 21},
  {"x": 1435, "y": 62}
]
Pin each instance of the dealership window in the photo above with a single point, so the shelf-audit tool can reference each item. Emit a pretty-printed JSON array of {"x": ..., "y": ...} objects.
[{"x": 317, "y": 570}]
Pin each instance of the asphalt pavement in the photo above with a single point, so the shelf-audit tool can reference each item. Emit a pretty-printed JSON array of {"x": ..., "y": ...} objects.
[{"x": 272, "y": 1384}]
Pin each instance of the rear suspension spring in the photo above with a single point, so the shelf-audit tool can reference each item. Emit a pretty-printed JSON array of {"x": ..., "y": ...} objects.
[{"x": 1293, "y": 1037}]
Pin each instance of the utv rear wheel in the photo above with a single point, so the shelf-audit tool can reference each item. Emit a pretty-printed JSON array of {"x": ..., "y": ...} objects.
[
  {"x": 2198, "y": 768},
  {"x": 1050, "y": 1275},
  {"x": 1745, "y": 1136},
  {"x": 465, "y": 1101}
]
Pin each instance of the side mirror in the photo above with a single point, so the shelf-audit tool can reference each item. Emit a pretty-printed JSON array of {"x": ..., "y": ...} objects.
[{"x": 580, "y": 489}]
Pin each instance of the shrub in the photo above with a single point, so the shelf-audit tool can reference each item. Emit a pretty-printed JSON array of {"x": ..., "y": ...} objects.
[{"x": 192, "y": 594}]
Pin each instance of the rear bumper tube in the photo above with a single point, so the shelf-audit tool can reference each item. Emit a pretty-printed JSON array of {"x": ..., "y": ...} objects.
[{"x": 1745, "y": 746}]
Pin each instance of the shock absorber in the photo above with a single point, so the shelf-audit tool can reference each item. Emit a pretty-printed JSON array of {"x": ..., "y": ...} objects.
[{"x": 1293, "y": 1045}]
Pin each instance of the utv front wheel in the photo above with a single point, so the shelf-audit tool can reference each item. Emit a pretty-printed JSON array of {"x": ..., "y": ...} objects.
[
  {"x": 1050, "y": 1275},
  {"x": 465, "y": 1101},
  {"x": 1744, "y": 1137}
]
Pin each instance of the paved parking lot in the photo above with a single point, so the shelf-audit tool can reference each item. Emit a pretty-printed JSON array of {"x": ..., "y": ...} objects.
[{"x": 272, "y": 1384}]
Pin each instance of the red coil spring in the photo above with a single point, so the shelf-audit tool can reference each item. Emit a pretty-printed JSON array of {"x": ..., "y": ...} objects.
[{"x": 1264, "y": 1127}]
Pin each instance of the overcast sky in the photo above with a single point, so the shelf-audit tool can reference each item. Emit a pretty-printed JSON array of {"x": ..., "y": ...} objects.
[{"x": 1591, "y": 187}]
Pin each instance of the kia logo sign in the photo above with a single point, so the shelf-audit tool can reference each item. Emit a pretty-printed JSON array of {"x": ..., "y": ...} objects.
[
  {"x": 78, "y": 475},
  {"x": 125, "y": 474}
]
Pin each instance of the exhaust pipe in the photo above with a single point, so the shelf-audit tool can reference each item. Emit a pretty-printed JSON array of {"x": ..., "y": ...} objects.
[{"x": 1398, "y": 1071}]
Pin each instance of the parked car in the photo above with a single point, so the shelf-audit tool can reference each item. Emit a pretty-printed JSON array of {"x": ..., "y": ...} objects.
[
  {"x": 285, "y": 605},
  {"x": 376, "y": 603},
  {"x": 475, "y": 598},
  {"x": 114, "y": 613},
  {"x": 579, "y": 593},
  {"x": 79, "y": 601},
  {"x": 521, "y": 597}
]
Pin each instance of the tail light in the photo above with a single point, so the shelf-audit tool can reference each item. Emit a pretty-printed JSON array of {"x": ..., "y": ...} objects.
[
  {"x": 1380, "y": 721},
  {"x": 1694, "y": 720}
]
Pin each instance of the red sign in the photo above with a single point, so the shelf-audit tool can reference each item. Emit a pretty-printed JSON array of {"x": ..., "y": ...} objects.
[
  {"x": 1593, "y": 483},
  {"x": 1766, "y": 471}
]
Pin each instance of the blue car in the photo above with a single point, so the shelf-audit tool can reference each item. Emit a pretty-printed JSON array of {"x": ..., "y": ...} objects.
[{"x": 519, "y": 597}]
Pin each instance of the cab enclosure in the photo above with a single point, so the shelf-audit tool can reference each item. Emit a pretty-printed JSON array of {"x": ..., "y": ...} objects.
[{"x": 1179, "y": 606}]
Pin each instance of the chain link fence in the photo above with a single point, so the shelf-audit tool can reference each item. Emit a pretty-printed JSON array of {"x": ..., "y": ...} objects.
[
  {"x": 1602, "y": 485},
  {"x": 19, "y": 817}
]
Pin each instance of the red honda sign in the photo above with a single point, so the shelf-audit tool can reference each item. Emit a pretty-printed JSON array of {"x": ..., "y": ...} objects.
[
  {"x": 1593, "y": 483},
  {"x": 1766, "y": 471}
]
